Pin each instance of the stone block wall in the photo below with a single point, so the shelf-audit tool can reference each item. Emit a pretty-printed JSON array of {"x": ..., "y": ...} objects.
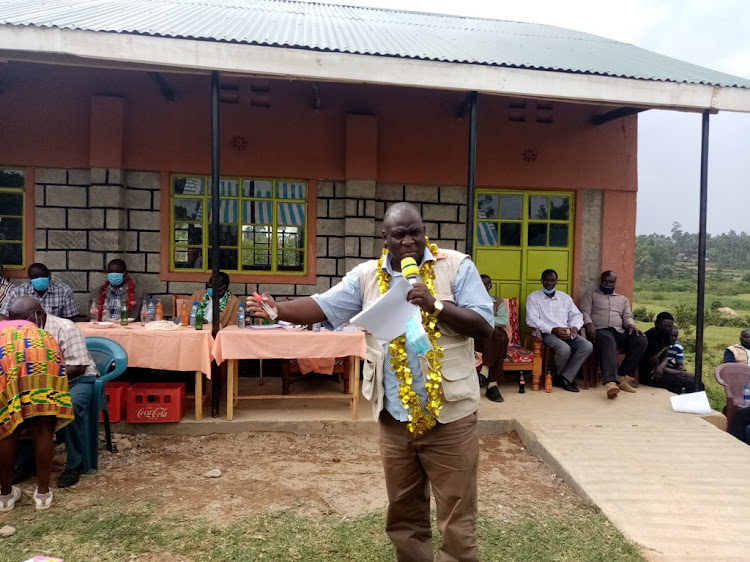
[{"x": 84, "y": 218}]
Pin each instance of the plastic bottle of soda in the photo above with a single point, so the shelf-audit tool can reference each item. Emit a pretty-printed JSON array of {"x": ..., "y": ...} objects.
[
  {"x": 521, "y": 384},
  {"x": 159, "y": 310},
  {"x": 144, "y": 314},
  {"x": 184, "y": 315},
  {"x": 548, "y": 382}
]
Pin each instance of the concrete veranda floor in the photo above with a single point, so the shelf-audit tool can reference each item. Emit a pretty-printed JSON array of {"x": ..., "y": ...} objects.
[{"x": 672, "y": 483}]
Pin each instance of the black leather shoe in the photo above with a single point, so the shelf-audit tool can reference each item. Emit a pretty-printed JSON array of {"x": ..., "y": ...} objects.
[
  {"x": 69, "y": 477},
  {"x": 22, "y": 472},
  {"x": 494, "y": 394},
  {"x": 569, "y": 386},
  {"x": 482, "y": 380}
]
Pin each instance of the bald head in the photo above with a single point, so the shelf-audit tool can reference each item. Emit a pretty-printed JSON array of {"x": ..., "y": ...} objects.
[
  {"x": 26, "y": 308},
  {"x": 403, "y": 234},
  {"x": 398, "y": 210}
]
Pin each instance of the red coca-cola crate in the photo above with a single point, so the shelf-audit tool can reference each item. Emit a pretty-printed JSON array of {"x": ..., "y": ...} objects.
[
  {"x": 114, "y": 394},
  {"x": 155, "y": 402}
]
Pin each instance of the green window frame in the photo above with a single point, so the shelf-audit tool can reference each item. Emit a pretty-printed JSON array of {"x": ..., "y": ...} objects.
[
  {"x": 523, "y": 219},
  {"x": 263, "y": 225},
  {"x": 13, "y": 218}
]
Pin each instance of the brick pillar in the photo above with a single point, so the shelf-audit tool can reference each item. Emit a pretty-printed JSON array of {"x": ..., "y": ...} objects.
[{"x": 360, "y": 192}]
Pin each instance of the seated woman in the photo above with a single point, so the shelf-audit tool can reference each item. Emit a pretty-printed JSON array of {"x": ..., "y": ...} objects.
[
  {"x": 33, "y": 394},
  {"x": 228, "y": 303}
]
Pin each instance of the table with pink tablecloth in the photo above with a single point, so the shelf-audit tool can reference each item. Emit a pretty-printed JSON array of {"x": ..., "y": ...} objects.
[
  {"x": 233, "y": 344},
  {"x": 184, "y": 349}
]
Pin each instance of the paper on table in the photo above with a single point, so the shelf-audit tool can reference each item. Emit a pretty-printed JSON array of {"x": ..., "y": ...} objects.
[
  {"x": 386, "y": 318},
  {"x": 693, "y": 403}
]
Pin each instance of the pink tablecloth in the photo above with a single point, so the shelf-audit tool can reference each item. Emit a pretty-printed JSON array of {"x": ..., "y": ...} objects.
[
  {"x": 234, "y": 343},
  {"x": 185, "y": 349}
]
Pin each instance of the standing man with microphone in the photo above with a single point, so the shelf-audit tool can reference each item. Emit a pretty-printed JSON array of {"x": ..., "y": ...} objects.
[{"x": 425, "y": 403}]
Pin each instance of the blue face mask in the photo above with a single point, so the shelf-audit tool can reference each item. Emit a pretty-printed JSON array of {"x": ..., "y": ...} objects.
[
  {"x": 210, "y": 292},
  {"x": 115, "y": 279},
  {"x": 607, "y": 290},
  {"x": 40, "y": 283},
  {"x": 548, "y": 291}
]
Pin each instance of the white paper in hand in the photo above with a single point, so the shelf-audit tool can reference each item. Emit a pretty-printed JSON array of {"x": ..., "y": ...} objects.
[
  {"x": 386, "y": 318},
  {"x": 693, "y": 403}
]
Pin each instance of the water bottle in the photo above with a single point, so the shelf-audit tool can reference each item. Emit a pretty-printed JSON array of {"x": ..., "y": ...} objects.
[
  {"x": 746, "y": 396},
  {"x": 144, "y": 314},
  {"x": 151, "y": 310},
  {"x": 114, "y": 310},
  {"x": 94, "y": 311},
  {"x": 193, "y": 314},
  {"x": 241, "y": 316}
]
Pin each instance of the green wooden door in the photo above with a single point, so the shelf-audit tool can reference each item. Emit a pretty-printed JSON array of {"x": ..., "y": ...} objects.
[{"x": 519, "y": 234}]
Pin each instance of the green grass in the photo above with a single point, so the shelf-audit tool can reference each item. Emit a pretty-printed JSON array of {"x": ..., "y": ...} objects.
[
  {"x": 665, "y": 295},
  {"x": 116, "y": 531}
]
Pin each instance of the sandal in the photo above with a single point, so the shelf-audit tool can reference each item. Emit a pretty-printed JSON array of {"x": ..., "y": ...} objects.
[
  {"x": 43, "y": 501},
  {"x": 8, "y": 501}
]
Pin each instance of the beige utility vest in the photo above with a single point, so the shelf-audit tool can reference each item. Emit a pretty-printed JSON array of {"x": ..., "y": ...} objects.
[
  {"x": 460, "y": 381},
  {"x": 739, "y": 352}
]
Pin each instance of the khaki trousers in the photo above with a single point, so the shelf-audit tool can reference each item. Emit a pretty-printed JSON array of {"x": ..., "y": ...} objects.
[{"x": 446, "y": 458}]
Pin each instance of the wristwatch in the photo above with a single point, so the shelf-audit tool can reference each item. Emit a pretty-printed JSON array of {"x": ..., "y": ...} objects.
[{"x": 438, "y": 308}]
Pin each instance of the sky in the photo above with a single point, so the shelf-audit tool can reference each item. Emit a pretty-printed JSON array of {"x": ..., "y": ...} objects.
[{"x": 710, "y": 33}]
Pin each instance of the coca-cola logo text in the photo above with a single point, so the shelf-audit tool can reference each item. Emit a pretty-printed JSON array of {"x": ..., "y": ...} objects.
[{"x": 152, "y": 413}]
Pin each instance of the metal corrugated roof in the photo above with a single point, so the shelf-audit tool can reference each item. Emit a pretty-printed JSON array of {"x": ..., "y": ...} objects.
[{"x": 366, "y": 31}]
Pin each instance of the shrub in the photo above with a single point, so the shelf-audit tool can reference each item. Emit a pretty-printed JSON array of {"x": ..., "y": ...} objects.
[
  {"x": 746, "y": 277},
  {"x": 642, "y": 314}
]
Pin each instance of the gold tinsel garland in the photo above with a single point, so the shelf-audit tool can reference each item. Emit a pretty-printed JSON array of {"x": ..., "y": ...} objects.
[{"x": 419, "y": 421}]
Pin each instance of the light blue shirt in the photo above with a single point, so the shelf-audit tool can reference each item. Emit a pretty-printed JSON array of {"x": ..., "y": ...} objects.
[{"x": 342, "y": 302}]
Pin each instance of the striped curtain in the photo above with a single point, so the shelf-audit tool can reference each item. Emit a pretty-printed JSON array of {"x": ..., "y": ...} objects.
[
  {"x": 291, "y": 214},
  {"x": 290, "y": 190},
  {"x": 257, "y": 212},
  {"x": 486, "y": 234}
]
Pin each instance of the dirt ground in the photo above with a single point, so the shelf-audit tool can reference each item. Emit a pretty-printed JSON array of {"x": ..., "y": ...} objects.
[{"x": 338, "y": 475}]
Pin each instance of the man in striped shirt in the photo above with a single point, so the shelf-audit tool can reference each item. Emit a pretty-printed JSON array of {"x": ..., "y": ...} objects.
[
  {"x": 676, "y": 351},
  {"x": 5, "y": 288}
]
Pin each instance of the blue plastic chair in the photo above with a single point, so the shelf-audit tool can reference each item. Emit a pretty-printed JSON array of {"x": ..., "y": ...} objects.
[{"x": 111, "y": 361}]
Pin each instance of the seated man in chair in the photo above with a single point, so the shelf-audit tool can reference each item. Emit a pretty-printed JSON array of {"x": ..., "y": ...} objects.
[
  {"x": 494, "y": 348},
  {"x": 739, "y": 353},
  {"x": 81, "y": 371},
  {"x": 557, "y": 317},
  {"x": 655, "y": 369},
  {"x": 609, "y": 325}
]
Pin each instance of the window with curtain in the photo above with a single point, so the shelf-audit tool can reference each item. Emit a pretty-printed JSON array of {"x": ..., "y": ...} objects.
[
  {"x": 262, "y": 225},
  {"x": 12, "y": 225}
]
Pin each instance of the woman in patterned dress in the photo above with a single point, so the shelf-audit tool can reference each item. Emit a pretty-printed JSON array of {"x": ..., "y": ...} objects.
[{"x": 34, "y": 395}]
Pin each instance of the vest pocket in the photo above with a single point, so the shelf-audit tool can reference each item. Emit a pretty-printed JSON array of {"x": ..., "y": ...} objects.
[
  {"x": 459, "y": 377},
  {"x": 371, "y": 371}
]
